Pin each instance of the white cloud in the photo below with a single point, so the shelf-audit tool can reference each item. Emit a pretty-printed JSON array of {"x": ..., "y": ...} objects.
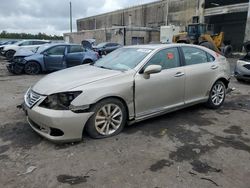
[{"x": 52, "y": 16}]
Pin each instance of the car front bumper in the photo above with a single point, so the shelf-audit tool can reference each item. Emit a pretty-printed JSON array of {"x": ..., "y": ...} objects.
[
  {"x": 55, "y": 125},
  {"x": 15, "y": 67}
]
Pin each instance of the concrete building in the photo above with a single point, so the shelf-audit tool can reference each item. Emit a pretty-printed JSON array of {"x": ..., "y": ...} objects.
[{"x": 141, "y": 24}]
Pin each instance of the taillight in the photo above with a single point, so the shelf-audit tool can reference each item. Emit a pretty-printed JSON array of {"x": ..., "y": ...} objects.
[{"x": 97, "y": 55}]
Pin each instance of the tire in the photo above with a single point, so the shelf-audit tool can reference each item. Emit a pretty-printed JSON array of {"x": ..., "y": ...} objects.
[
  {"x": 9, "y": 54},
  {"x": 217, "y": 95},
  {"x": 87, "y": 61},
  {"x": 103, "y": 126},
  {"x": 32, "y": 68}
]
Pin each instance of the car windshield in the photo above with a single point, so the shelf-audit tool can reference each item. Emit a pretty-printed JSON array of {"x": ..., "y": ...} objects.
[
  {"x": 123, "y": 59},
  {"x": 101, "y": 45}
]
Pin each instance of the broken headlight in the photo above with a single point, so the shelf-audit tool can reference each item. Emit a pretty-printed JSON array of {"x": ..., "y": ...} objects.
[{"x": 60, "y": 101}]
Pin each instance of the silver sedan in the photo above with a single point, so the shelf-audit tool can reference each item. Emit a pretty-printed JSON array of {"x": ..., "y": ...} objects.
[{"x": 131, "y": 84}]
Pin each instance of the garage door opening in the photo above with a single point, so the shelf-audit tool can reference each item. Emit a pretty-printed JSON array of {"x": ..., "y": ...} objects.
[{"x": 233, "y": 25}]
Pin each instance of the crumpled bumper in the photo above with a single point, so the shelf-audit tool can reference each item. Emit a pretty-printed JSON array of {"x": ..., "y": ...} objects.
[
  {"x": 56, "y": 125},
  {"x": 15, "y": 68}
]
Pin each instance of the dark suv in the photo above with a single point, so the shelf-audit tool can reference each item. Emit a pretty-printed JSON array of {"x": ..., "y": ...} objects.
[{"x": 106, "y": 47}]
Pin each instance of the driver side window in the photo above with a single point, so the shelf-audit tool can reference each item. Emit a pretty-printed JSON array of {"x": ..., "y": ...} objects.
[
  {"x": 167, "y": 58},
  {"x": 57, "y": 50}
]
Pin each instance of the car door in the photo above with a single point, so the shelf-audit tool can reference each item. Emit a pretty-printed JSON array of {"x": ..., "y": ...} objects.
[
  {"x": 54, "y": 58},
  {"x": 75, "y": 55},
  {"x": 201, "y": 70},
  {"x": 161, "y": 91}
]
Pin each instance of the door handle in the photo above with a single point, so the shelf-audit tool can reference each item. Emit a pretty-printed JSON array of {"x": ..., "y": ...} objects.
[
  {"x": 214, "y": 67},
  {"x": 179, "y": 74}
]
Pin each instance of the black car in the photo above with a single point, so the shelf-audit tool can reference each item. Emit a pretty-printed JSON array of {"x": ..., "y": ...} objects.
[{"x": 106, "y": 47}]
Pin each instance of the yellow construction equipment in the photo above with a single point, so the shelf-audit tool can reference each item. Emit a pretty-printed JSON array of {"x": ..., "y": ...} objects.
[{"x": 197, "y": 34}]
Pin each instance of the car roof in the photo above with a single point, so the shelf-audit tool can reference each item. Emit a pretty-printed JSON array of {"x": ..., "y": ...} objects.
[
  {"x": 159, "y": 46},
  {"x": 59, "y": 44},
  {"x": 152, "y": 46},
  {"x": 35, "y": 40}
]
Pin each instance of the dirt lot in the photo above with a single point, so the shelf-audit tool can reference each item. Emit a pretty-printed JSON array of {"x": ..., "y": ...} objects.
[{"x": 194, "y": 147}]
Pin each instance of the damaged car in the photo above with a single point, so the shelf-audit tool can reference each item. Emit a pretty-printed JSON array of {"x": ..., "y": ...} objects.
[
  {"x": 242, "y": 68},
  {"x": 129, "y": 85},
  {"x": 10, "y": 50},
  {"x": 51, "y": 57}
]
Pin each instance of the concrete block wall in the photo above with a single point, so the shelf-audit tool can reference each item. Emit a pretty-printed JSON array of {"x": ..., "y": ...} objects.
[{"x": 179, "y": 12}]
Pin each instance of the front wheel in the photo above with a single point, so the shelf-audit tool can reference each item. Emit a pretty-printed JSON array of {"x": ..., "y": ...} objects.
[
  {"x": 217, "y": 95},
  {"x": 9, "y": 54},
  {"x": 108, "y": 119},
  {"x": 32, "y": 68}
]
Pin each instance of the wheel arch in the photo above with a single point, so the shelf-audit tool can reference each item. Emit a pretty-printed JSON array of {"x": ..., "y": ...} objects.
[
  {"x": 118, "y": 98},
  {"x": 87, "y": 60},
  {"x": 41, "y": 67},
  {"x": 224, "y": 80}
]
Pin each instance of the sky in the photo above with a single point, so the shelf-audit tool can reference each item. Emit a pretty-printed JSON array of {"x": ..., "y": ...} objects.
[{"x": 52, "y": 16}]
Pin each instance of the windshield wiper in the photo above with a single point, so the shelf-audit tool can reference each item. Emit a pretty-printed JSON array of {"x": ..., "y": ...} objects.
[{"x": 105, "y": 67}]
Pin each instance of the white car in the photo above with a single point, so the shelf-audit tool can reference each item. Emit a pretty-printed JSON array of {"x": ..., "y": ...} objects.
[{"x": 9, "y": 50}]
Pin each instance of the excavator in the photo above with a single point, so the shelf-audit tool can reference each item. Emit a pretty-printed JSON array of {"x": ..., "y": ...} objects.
[{"x": 197, "y": 34}]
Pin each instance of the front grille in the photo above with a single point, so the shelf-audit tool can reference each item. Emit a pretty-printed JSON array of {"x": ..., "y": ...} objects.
[
  {"x": 247, "y": 66},
  {"x": 31, "y": 98}
]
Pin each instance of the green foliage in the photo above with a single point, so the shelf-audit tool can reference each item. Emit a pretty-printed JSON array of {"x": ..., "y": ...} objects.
[{"x": 6, "y": 35}]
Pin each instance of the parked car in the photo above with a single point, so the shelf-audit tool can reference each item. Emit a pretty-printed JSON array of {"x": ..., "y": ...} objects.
[
  {"x": 3, "y": 44},
  {"x": 129, "y": 85},
  {"x": 106, "y": 47},
  {"x": 88, "y": 43},
  {"x": 51, "y": 57},
  {"x": 242, "y": 68},
  {"x": 9, "y": 50}
]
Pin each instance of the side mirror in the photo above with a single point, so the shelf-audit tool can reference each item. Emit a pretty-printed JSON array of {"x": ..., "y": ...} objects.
[
  {"x": 152, "y": 69},
  {"x": 45, "y": 54}
]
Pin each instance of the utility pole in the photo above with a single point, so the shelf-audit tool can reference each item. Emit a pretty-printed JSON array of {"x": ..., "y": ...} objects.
[{"x": 70, "y": 15}]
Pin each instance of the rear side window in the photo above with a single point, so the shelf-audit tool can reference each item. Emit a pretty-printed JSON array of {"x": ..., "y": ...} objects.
[
  {"x": 75, "y": 49},
  {"x": 167, "y": 58},
  {"x": 194, "y": 55},
  {"x": 39, "y": 42},
  {"x": 57, "y": 50},
  {"x": 26, "y": 43},
  {"x": 210, "y": 58}
]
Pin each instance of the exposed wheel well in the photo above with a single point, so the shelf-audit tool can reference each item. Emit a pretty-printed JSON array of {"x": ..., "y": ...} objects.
[
  {"x": 112, "y": 97},
  {"x": 120, "y": 99},
  {"x": 224, "y": 80},
  {"x": 87, "y": 61},
  {"x": 34, "y": 62}
]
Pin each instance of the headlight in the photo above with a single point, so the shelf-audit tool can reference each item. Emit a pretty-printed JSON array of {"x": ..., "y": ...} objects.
[
  {"x": 18, "y": 59},
  {"x": 60, "y": 101}
]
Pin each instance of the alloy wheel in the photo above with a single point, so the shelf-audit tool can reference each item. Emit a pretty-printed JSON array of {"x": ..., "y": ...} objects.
[
  {"x": 218, "y": 94},
  {"x": 108, "y": 119}
]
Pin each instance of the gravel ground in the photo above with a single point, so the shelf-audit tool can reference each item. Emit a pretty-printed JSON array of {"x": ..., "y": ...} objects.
[{"x": 193, "y": 147}]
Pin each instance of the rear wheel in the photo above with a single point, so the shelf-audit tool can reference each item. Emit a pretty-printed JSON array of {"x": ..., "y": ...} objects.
[
  {"x": 87, "y": 61},
  {"x": 108, "y": 119},
  {"x": 9, "y": 54},
  {"x": 217, "y": 95},
  {"x": 32, "y": 68}
]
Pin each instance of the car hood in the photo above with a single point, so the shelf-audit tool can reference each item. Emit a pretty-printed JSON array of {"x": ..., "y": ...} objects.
[
  {"x": 71, "y": 78},
  {"x": 24, "y": 53},
  {"x": 7, "y": 47}
]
